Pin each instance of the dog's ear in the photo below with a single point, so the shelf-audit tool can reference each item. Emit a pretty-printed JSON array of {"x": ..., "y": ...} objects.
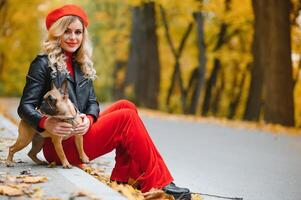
[{"x": 64, "y": 89}]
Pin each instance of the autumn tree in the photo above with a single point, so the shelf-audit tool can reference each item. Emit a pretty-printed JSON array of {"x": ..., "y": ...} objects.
[
  {"x": 3, "y": 15},
  {"x": 143, "y": 66},
  {"x": 272, "y": 40},
  {"x": 20, "y": 38},
  {"x": 176, "y": 79},
  {"x": 135, "y": 51},
  {"x": 197, "y": 78},
  {"x": 211, "y": 82}
]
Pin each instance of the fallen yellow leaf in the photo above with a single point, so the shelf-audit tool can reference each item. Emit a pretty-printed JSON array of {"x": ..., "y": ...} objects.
[
  {"x": 34, "y": 179},
  {"x": 83, "y": 194},
  {"x": 127, "y": 190},
  {"x": 37, "y": 193},
  {"x": 10, "y": 191},
  {"x": 21, "y": 186},
  {"x": 196, "y": 197},
  {"x": 155, "y": 194},
  {"x": 88, "y": 170}
]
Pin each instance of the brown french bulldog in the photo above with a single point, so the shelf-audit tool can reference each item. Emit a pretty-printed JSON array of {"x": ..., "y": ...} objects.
[{"x": 56, "y": 104}]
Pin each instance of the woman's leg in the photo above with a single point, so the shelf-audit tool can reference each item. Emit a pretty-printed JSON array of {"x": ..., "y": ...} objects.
[
  {"x": 137, "y": 156},
  {"x": 123, "y": 162},
  {"x": 123, "y": 130},
  {"x": 121, "y": 104}
]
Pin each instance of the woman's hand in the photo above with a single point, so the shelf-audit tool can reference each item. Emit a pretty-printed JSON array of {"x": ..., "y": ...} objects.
[
  {"x": 83, "y": 127},
  {"x": 57, "y": 127}
]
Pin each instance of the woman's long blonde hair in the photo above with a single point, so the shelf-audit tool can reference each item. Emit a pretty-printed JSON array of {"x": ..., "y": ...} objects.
[{"x": 56, "y": 56}]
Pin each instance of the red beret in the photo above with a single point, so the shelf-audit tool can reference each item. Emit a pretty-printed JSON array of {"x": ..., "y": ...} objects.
[{"x": 70, "y": 9}]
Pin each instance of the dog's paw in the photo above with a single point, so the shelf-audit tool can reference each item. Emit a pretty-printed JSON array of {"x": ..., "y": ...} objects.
[
  {"x": 43, "y": 163},
  {"x": 85, "y": 159},
  {"x": 40, "y": 162},
  {"x": 67, "y": 166}
]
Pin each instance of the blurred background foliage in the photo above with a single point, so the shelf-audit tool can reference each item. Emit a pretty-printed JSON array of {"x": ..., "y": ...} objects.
[{"x": 139, "y": 46}]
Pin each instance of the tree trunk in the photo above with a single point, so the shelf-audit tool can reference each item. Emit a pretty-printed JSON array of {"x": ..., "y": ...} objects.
[
  {"x": 177, "y": 75},
  {"x": 134, "y": 61},
  {"x": 3, "y": 16},
  {"x": 218, "y": 94},
  {"x": 236, "y": 95},
  {"x": 254, "y": 102},
  {"x": 147, "y": 87},
  {"x": 2, "y": 4},
  {"x": 217, "y": 64},
  {"x": 198, "y": 16},
  {"x": 210, "y": 84},
  {"x": 118, "y": 87},
  {"x": 275, "y": 38}
]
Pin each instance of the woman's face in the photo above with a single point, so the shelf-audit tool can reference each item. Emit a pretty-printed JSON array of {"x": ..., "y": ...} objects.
[{"x": 72, "y": 37}]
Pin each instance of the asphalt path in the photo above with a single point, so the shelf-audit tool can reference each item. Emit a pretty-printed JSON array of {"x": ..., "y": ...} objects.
[{"x": 219, "y": 160}]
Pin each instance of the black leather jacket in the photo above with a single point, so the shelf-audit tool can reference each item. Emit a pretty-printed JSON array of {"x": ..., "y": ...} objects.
[{"x": 38, "y": 83}]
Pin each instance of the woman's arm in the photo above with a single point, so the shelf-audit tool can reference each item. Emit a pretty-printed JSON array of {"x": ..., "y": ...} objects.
[{"x": 37, "y": 81}]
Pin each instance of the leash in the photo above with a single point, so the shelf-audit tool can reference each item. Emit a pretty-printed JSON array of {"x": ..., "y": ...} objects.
[{"x": 217, "y": 196}]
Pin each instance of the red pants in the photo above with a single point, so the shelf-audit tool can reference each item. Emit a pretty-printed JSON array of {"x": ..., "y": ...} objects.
[{"x": 119, "y": 127}]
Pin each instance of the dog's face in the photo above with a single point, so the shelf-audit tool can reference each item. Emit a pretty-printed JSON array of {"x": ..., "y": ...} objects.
[{"x": 55, "y": 101}]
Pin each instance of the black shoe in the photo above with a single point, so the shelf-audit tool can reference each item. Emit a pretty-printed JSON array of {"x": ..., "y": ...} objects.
[{"x": 177, "y": 192}]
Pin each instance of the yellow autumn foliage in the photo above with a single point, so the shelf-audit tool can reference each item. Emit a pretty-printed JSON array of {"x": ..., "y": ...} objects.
[{"x": 110, "y": 25}]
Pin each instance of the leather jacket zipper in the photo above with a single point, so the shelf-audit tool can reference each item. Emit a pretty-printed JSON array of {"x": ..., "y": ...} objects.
[{"x": 82, "y": 83}]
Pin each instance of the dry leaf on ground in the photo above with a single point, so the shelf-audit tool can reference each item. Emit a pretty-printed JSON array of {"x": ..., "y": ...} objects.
[
  {"x": 196, "y": 197},
  {"x": 21, "y": 186},
  {"x": 37, "y": 193},
  {"x": 10, "y": 191},
  {"x": 127, "y": 190},
  {"x": 155, "y": 194},
  {"x": 53, "y": 198},
  {"x": 88, "y": 170},
  {"x": 33, "y": 179},
  {"x": 82, "y": 194}
]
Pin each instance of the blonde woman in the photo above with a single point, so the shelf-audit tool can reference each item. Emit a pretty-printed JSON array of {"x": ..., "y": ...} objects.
[{"x": 68, "y": 56}]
